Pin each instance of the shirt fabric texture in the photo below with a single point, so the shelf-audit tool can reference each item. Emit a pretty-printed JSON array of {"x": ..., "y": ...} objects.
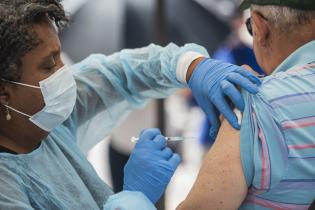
[{"x": 278, "y": 136}]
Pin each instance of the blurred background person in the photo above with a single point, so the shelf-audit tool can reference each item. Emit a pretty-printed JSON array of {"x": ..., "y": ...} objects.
[{"x": 237, "y": 48}]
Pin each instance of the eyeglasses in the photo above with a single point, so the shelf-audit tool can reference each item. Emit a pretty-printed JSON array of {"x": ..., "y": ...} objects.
[{"x": 249, "y": 26}]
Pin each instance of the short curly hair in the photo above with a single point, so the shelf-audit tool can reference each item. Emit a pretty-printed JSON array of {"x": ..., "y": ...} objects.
[{"x": 17, "y": 36}]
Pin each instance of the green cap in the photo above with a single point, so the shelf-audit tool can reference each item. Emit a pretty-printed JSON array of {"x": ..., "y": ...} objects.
[{"x": 295, "y": 4}]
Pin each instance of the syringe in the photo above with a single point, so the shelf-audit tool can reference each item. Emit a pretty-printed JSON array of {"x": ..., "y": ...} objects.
[{"x": 176, "y": 138}]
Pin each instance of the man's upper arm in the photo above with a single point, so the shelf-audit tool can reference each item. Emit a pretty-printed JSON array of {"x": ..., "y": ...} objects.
[{"x": 221, "y": 183}]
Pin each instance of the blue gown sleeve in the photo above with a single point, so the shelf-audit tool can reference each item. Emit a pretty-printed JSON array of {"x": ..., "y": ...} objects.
[
  {"x": 109, "y": 87},
  {"x": 128, "y": 200}
]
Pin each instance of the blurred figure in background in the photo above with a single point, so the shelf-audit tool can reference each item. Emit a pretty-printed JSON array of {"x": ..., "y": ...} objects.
[{"x": 237, "y": 48}]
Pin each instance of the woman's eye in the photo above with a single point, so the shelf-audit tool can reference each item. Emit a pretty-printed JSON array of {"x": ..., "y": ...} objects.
[
  {"x": 50, "y": 67},
  {"x": 51, "y": 64}
]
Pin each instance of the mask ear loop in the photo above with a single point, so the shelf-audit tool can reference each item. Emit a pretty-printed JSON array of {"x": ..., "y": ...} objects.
[
  {"x": 22, "y": 84},
  {"x": 8, "y": 108},
  {"x": 17, "y": 111}
]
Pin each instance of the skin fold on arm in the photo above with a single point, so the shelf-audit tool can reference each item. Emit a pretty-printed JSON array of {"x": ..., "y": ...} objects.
[{"x": 221, "y": 183}]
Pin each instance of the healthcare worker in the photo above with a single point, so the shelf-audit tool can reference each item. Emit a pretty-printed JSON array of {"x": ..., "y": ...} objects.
[{"x": 51, "y": 114}]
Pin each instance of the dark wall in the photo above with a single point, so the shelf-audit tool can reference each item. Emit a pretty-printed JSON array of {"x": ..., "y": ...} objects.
[{"x": 182, "y": 21}]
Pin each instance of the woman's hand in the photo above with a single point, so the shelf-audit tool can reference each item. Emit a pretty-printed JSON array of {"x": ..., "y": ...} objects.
[
  {"x": 150, "y": 166},
  {"x": 212, "y": 81}
]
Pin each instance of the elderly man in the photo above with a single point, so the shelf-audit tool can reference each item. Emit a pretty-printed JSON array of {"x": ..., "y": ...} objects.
[{"x": 270, "y": 163}]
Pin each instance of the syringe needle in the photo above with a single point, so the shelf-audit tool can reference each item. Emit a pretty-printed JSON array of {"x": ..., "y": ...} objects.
[{"x": 176, "y": 138}]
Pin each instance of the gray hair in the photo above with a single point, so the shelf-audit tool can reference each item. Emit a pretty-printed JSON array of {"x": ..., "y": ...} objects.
[{"x": 285, "y": 18}]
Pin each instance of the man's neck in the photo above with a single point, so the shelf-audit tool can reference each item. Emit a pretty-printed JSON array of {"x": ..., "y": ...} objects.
[{"x": 287, "y": 45}]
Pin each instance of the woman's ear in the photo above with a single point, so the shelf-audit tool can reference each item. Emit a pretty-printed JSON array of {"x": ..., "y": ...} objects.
[
  {"x": 261, "y": 29},
  {"x": 4, "y": 101},
  {"x": 4, "y": 95}
]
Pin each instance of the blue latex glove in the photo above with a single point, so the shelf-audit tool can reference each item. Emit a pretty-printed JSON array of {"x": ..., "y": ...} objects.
[
  {"x": 212, "y": 81},
  {"x": 127, "y": 200},
  {"x": 150, "y": 166}
]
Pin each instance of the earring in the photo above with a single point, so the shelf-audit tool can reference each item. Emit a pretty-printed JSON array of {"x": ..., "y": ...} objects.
[{"x": 8, "y": 116}]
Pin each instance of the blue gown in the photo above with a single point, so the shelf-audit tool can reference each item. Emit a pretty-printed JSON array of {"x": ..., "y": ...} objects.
[{"x": 57, "y": 174}]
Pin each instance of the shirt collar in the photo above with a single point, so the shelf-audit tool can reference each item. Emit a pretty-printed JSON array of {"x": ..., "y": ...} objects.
[{"x": 303, "y": 55}]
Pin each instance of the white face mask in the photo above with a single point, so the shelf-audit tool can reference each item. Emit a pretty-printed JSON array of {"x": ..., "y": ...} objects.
[{"x": 59, "y": 92}]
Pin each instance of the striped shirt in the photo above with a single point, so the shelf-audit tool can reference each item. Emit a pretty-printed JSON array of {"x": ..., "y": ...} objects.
[{"x": 278, "y": 136}]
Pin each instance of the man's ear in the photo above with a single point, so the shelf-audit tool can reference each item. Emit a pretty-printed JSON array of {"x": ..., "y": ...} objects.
[{"x": 261, "y": 29}]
